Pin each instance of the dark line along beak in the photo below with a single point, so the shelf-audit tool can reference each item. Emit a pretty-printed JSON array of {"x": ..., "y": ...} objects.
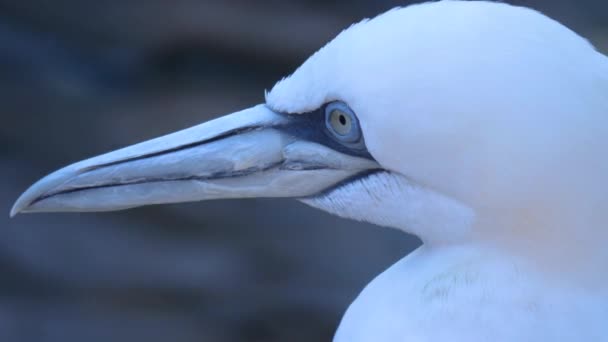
[{"x": 244, "y": 154}]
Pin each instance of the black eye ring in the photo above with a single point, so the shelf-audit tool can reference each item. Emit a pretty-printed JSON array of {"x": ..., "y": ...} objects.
[{"x": 342, "y": 123}]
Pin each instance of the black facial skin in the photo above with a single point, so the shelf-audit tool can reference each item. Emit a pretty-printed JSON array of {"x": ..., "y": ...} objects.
[{"x": 310, "y": 126}]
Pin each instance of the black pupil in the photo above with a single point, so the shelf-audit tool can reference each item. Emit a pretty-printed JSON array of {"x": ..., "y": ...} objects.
[{"x": 342, "y": 120}]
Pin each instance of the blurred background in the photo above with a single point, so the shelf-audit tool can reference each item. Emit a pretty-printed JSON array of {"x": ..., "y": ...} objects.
[{"x": 78, "y": 78}]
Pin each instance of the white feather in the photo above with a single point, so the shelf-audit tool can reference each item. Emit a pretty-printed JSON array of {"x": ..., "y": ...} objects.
[{"x": 493, "y": 120}]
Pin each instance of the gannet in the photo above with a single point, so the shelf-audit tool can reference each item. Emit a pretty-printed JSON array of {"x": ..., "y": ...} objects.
[{"x": 478, "y": 126}]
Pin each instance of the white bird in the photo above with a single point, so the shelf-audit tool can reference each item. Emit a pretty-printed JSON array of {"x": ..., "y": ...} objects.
[{"x": 478, "y": 126}]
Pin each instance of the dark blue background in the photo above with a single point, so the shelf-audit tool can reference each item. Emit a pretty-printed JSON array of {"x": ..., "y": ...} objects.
[{"x": 78, "y": 78}]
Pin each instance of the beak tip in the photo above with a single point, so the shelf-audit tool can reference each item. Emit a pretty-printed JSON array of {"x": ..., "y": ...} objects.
[
  {"x": 13, "y": 212},
  {"x": 29, "y": 198},
  {"x": 20, "y": 206}
]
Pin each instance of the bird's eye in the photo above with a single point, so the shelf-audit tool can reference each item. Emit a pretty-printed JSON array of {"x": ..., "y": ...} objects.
[{"x": 342, "y": 122}]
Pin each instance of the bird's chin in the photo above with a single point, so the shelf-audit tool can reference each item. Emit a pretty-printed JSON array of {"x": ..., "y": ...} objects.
[{"x": 390, "y": 199}]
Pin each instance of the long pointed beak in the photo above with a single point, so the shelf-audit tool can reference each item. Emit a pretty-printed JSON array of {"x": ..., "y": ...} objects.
[{"x": 244, "y": 154}]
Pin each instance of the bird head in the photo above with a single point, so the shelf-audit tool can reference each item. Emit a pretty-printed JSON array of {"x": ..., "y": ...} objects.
[{"x": 434, "y": 118}]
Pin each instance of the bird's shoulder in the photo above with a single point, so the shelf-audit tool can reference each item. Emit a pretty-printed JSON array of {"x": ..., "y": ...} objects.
[{"x": 436, "y": 296}]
